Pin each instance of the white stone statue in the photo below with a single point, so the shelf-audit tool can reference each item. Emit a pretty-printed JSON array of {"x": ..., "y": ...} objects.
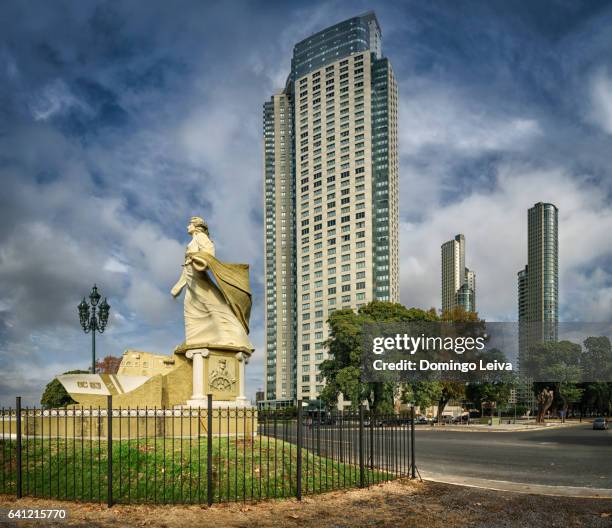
[{"x": 216, "y": 312}]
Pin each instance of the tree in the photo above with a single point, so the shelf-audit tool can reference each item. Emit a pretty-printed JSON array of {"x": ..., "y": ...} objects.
[
  {"x": 497, "y": 391},
  {"x": 459, "y": 314},
  {"x": 55, "y": 395},
  {"x": 597, "y": 359},
  {"x": 427, "y": 393},
  {"x": 455, "y": 390},
  {"x": 342, "y": 371},
  {"x": 566, "y": 388},
  {"x": 569, "y": 393},
  {"x": 597, "y": 370},
  {"x": 559, "y": 363},
  {"x": 422, "y": 394},
  {"x": 450, "y": 390},
  {"x": 108, "y": 365},
  {"x": 596, "y": 397},
  {"x": 545, "y": 398},
  {"x": 481, "y": 393}
]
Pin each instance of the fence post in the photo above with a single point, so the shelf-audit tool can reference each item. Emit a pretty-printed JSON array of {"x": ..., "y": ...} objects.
[
  {"x": 412, "y": 461},
  {"x": 361, "y": 461},
  {"x": 109, "y": 456},
  {"x": 19, "y": 468},
  {"x": 209, "y": 446},
  {"x": 298, "y": 464},
  {"x": 371, "y": 414},
  {"x": 319, "y": 433}
]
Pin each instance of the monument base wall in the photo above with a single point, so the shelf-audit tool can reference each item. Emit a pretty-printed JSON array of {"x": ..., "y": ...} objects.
[
  {"x": 134, "y": 424},
  {"x": 167, "y": 388}
]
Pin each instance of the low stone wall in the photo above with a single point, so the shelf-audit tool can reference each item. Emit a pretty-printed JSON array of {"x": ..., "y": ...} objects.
[{"x": 130, "y": 423}]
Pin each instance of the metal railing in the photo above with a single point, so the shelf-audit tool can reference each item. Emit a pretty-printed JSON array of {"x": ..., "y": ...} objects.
[{"x": 191, "y": 455}]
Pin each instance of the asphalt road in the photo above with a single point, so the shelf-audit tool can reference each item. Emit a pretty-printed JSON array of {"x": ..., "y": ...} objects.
[{"x": 572, "y": 456}]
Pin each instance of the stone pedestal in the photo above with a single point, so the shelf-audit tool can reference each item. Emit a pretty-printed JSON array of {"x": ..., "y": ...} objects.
[{"x": 220, "y": 371}]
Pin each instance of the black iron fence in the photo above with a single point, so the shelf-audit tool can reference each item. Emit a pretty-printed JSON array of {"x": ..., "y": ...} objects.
[{"x": 190, "y": 455}]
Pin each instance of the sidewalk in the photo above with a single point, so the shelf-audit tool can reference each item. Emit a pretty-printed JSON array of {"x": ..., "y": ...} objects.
[
  {"x": 519, "y": 487},
  {"x": 502, "y": 427}
]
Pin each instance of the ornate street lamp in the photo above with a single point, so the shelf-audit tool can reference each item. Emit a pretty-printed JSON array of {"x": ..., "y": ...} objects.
[{"x": 92, "y": 322}]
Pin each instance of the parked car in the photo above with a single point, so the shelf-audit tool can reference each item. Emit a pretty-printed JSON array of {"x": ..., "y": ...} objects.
[
  {"x": 422, "y": 420},
  {"x": 393, "y": 421},
  {"x": 600, "y": 423},
  {"x": 461, "y": 419},
  {"x": 444, "y": 419}
]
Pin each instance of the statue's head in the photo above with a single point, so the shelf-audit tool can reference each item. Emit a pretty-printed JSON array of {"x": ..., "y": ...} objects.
[{"x": 197, "y": 224}]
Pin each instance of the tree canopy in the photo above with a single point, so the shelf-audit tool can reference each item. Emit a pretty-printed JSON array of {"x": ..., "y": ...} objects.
[{"x": 342, "y": 370}]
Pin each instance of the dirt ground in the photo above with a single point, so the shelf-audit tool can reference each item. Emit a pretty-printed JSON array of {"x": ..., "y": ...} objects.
[{"x": 397, "y": 504}]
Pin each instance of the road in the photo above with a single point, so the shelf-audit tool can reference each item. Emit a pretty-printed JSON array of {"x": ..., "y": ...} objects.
[{"x": 571, "y": 456}]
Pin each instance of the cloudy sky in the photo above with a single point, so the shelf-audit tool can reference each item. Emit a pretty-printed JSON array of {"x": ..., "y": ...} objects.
[{"x": 120, "y": 120}]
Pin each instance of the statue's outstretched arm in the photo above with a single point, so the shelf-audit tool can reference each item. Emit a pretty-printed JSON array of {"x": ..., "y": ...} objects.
[{"x": 180, "y": 284}]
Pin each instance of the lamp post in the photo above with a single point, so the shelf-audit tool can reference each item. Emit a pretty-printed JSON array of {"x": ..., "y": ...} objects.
[{"x": 93, "y": 322}]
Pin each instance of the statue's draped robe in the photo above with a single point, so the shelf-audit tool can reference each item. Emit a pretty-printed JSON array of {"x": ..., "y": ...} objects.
[{"x": 215, "y": 314}]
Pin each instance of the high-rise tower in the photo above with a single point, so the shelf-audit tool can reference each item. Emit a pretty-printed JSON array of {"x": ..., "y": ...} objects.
[
  {"x": 279, "y": 206},
  {"x": 538, "y": 286},
  {"x": 543, "y": 268},
  {"x": 458, "y": 282},
  {"x": 538, "y": 282},
  {"x": 331, "y": 197}
]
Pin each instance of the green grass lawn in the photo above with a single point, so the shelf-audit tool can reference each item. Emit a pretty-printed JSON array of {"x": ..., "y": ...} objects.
[{"x": 172, "y": 470}]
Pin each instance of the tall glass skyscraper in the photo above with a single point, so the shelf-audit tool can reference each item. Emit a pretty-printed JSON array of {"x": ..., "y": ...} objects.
[
  {"x": 331, "y": 197},
  {"x": 538, "y": 282},
  {"x": 543, "y": 266},
  {"x": 458, "y": 282}
]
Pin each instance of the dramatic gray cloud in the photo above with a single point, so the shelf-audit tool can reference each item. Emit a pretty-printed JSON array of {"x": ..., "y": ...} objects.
[
  {"x": 118, "y": 121},
  {"x": 601, "y": 100}
]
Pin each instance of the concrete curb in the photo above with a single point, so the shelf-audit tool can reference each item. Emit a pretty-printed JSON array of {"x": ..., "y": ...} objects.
[{"x": 521, "y": 487}]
